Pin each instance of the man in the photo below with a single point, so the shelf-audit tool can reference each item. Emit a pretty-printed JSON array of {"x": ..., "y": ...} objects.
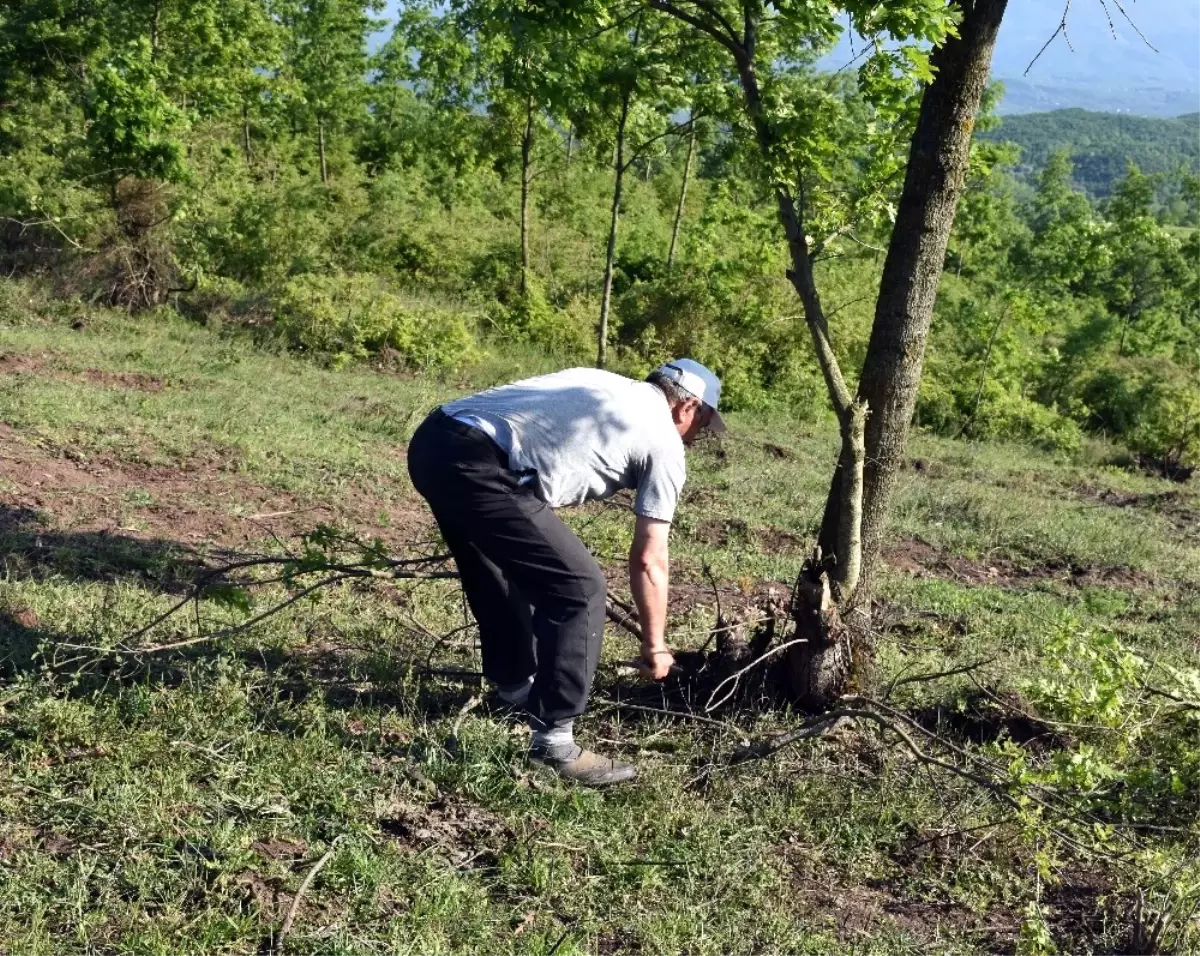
[{"x": 493, "y": 466}]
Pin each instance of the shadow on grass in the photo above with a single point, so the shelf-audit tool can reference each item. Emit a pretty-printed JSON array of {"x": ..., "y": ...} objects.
[
  {"x": 344, "y": 679},
  {"x": 31, "y": 550}
]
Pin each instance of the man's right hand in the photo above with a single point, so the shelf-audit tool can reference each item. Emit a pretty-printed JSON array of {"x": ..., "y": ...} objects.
[{"x": 656, "y": 663}]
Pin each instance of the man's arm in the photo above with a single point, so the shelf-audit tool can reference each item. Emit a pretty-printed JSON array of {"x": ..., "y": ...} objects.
[{"x": 649, "y": 573}]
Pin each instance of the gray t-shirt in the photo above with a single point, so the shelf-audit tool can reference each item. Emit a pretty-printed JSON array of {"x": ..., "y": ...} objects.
[{"x": 587, "y": 434}]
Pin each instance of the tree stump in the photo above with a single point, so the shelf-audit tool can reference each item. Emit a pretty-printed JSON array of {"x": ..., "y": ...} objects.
[{"x": 818, "y": 671}]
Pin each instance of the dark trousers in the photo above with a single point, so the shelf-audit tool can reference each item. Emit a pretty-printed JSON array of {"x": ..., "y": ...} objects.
[{"x": 536, "y": 592}]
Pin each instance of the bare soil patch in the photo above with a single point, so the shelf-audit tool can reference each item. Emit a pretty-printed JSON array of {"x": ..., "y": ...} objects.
[
  {"x": 138, "y": 381},
  {"x": 199, "y": 501},
  {"x": 726, "y": 532},
  {"x": 278, "y": 849},
  {"x": 50, "y": 364},
  {"x": 468, "y": 835},
  {"x": 915, "y": 557},
  {"x": 1177, "y": 507},
  {"x": 861, "y": 911},
  {"x": 20, "y": 363}
]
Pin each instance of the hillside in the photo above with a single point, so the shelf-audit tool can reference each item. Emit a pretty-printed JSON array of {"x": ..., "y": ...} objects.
[
  {"x": 181, "y": 799},
  {"x": 1102, "y": 144}
]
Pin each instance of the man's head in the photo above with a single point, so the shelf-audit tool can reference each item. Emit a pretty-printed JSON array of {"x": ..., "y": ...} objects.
[{"x": 693, "y": 392}]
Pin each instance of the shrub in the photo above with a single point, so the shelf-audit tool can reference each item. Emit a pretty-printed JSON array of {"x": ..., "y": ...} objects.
[
  {"x": 1151, "y": 403},
  {"x": 348, "y": 317}
]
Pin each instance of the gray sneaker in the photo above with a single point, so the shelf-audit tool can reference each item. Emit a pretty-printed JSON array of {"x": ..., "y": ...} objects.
[{"x": 585, "y": 767}]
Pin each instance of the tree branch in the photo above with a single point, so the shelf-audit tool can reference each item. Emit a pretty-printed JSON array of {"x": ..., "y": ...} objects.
[
  {"x": 716, "y": 31},
  {"x": 677, "y": 128},
  {"x": 1061, "y": 28},
  {"x": 286, "y": 928},
  {"x": 849, "y": 538}
]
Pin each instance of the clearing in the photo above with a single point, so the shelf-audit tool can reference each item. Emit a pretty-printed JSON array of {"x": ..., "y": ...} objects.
[{"x": 175, "y": 803}]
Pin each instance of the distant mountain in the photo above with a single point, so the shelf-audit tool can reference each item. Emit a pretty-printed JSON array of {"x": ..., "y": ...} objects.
[
  {"x": 1103, "y": 68},
  {"x": 1021, "y": 96},
  {"x": 1102, "y": 144}
]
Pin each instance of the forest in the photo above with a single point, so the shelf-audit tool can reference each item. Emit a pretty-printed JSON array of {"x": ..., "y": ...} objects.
[
  {"x": 1102, "y": 145},
  {"x": 473, "y": 182}
]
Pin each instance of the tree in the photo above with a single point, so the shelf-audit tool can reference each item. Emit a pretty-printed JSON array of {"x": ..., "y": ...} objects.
[
  {"x": 132, "y": 123},
  {"x": 683, "y": 190},
  {"x": 491, "y": 55},
  {"x": 1064, "y": 249},
  {"x": 325, "y": 60},
  {"x": 630, "y": 80},
  {"x": 874, "y": 422},
  {"x": 1146, "y": 285}
]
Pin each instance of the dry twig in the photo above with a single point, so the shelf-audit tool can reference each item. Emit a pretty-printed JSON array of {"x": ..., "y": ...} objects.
[{"x": 286, "y": 928}]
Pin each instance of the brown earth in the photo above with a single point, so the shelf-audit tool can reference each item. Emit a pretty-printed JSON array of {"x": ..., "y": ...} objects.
[
  {"x": 915, "y": 557},
  {"x": 130, "y": 380},
  {"x": 202, "y": 500},
  {"x": 468, "y": 835},
  {"x": 49, "y": 364},
  {"x": 856, "y": 912},
  {"x": 1173, "y": 505},
  {"x": 722, "y": 532},
  {"x": 274, "y": 848}
]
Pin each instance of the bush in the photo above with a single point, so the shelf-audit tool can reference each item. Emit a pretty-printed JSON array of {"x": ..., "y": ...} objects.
[
  {"x": 348, "y": 317},
  {"x": 1152, "y": 404}
]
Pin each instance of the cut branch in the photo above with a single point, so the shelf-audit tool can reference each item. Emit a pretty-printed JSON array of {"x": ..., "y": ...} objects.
[
  {"x": 286, "y": 928},
  {"x": 849, "y": 547}
]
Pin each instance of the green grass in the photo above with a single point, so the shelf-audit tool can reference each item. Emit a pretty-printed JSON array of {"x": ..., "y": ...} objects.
[{"x": 176, "y": 805}]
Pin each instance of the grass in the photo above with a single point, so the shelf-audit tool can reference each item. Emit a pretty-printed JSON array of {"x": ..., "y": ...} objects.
[{"x": 176, "y": 806}]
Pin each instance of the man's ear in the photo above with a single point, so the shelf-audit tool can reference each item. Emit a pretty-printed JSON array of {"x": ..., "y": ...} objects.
[{"x": 681, "y": 409}]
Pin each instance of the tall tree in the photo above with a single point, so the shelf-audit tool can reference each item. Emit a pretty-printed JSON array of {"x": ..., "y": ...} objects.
[
  {"x": 683, "y": 190},
  {"x": 325, "y": 60},
  {"x": 1146, "y": 281},
  {"x": 493, "y": 56},
  {"x": 630, "y": 79},
  {"x": 761, "y": 47}
]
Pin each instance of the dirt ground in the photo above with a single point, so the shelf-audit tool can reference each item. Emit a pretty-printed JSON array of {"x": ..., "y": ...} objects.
[{"x": 203, "y": 500}]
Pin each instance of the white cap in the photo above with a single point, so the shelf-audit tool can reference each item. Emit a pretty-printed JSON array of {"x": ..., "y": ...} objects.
[{"x": 697, "y": 380}]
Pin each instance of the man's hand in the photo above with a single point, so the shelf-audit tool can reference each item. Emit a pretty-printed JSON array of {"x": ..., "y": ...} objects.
[{"x": 656, "y": 663}]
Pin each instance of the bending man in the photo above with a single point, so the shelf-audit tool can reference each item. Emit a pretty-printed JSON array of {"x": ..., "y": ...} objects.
[{"x": 493, "y": 466}]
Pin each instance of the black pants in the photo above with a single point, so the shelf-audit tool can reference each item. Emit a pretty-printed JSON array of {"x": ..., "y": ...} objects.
[{"x": 536, "y": 592}]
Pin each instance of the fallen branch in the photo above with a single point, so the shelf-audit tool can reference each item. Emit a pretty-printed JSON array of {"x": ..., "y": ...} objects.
[
  {"x": 934, "y": 675},
  {"x": 681, "y": 714},
  {"x": 712, "y": 705},
  {"x": 324, "y": 552},
  {"x": 286, "y": 928},
  {"x": 231, "y": 631},
  {"x": 623, "y": 615},
  {"x": 1183, "y": 702}
]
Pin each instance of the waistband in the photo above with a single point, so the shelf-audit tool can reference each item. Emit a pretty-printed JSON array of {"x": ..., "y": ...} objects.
[{"x": 439, "y": 419}]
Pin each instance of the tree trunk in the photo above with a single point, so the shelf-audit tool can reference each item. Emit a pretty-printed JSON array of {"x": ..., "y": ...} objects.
[
  {"x": 155, "y": 16},
  {"x": 933, "y": 181},
  {"x": 246, "y": 133},
  {"x": 687, "y": 169},
  {"x": 610, "y": 254},
  {"x": 1129, "y": 317},
  {"x": 526, "y": 178},
  {"x": 983, "y": 371},
  {"x": 836, "y": 583},
  {"x": 321, "y": 150},
  {"x": 570, "y": 143}
]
